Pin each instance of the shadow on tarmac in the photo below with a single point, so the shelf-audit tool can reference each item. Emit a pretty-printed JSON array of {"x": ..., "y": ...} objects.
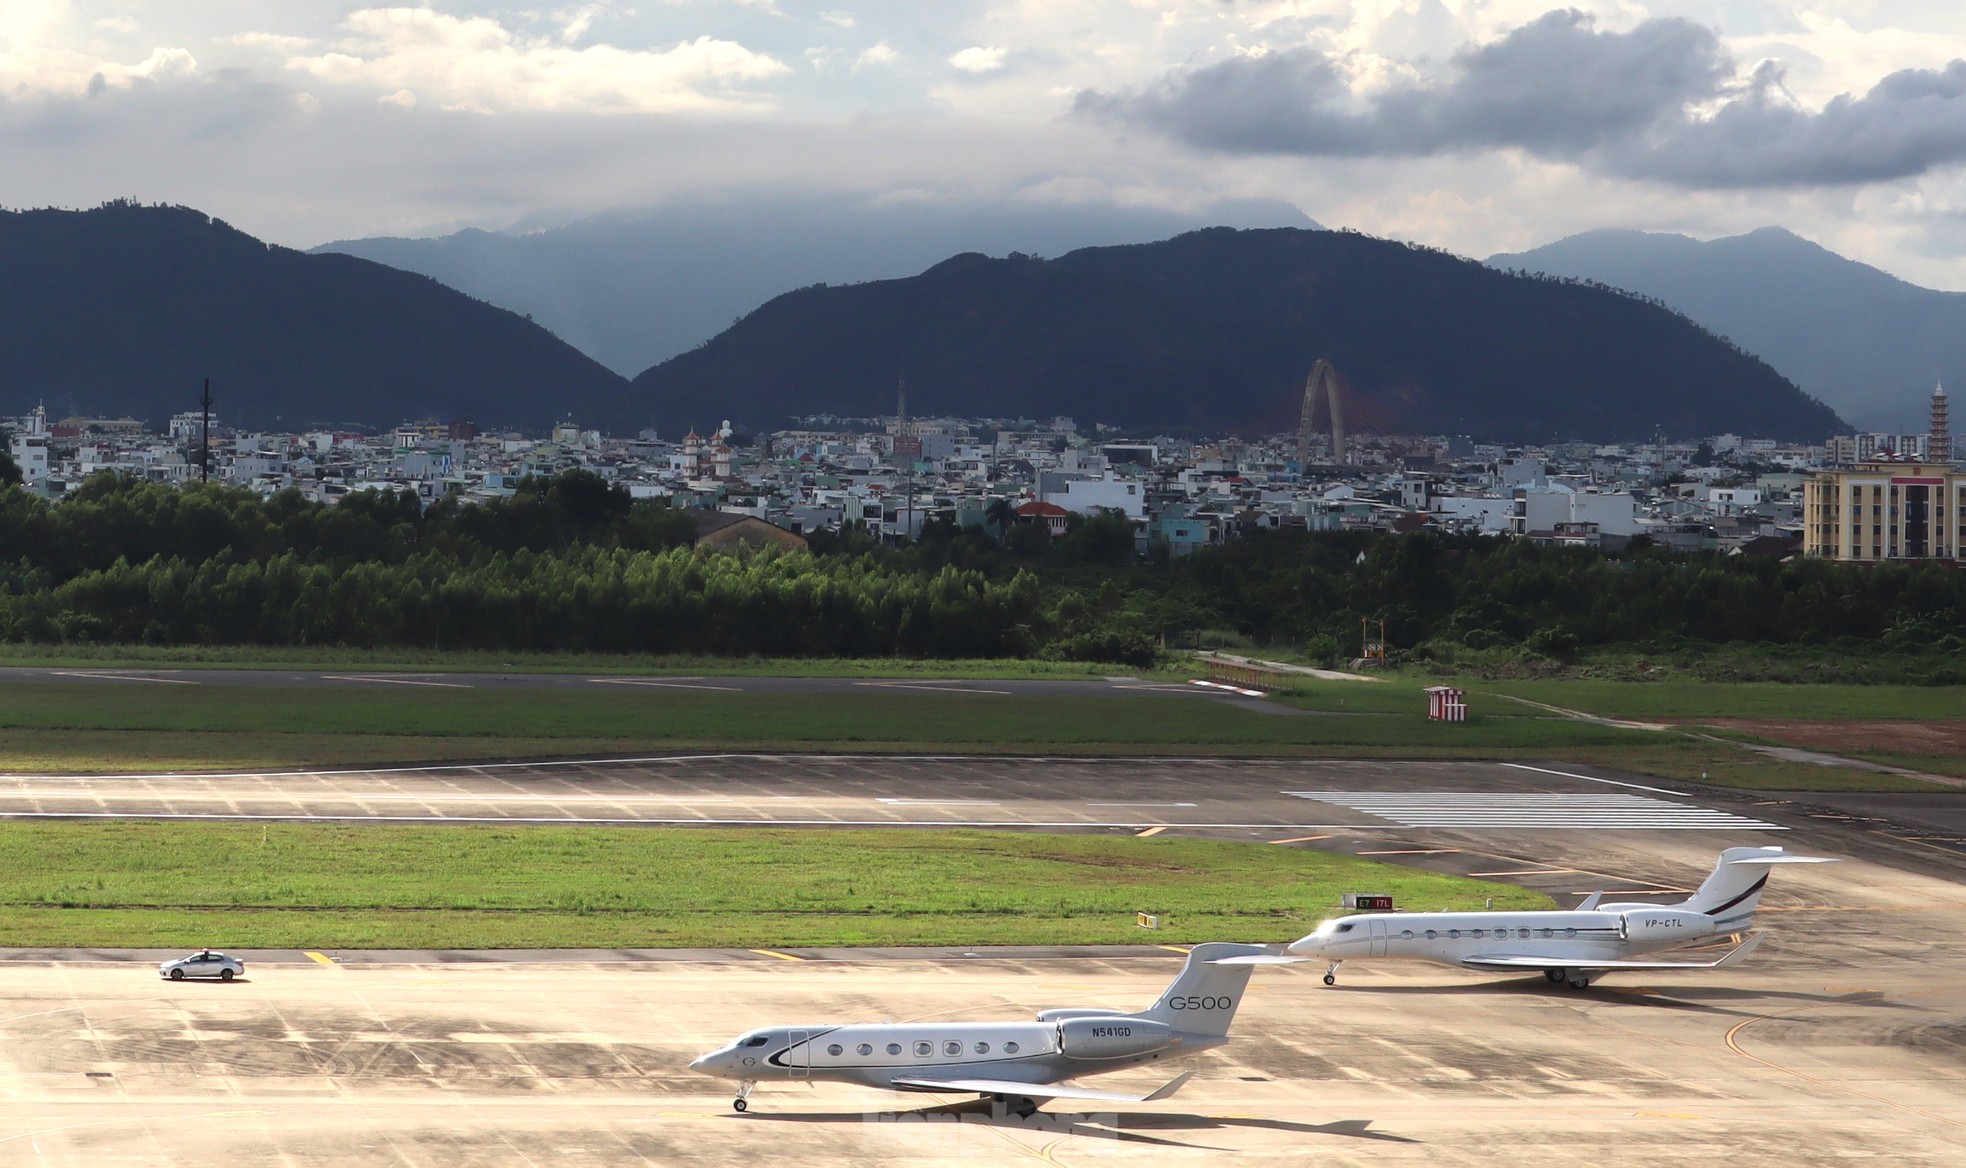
[{"x": 1127, "y": 1127}]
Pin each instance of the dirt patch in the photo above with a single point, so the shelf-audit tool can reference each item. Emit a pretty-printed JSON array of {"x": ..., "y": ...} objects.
[{"x": 1946, "y": 738}]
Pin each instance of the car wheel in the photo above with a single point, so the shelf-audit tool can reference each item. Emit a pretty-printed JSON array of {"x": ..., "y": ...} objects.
[
  {"x": 225, "y": 975},
  {"x": 177, "y": 975}
]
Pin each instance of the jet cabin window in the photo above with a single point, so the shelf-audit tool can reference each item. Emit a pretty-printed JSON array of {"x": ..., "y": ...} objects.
[
  {"x": 1010, "y": 1048},
  {"x": 866, "y": 1048},
  {"x": 924, "y": 1049},
  {"x": 835, "y": 1049},
  {"x": 952, "y": 1047},
  {"x": 894, "y": 1048}
]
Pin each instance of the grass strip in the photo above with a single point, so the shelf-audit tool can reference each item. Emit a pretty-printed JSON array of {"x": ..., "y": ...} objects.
[{"x": 313, "y": 886}]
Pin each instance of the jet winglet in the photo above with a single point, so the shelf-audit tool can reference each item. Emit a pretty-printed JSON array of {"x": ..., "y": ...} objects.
[
  {"x": 1260, "y": 959},
  {"x": 1589, "y": 903},
  {"x": 1175, "y": 1084}
]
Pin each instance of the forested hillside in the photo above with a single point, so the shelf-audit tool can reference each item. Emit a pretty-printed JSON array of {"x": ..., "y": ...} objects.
[
  {"x": 1216, "y": 331},
  {"x": 127, "y": 309}
]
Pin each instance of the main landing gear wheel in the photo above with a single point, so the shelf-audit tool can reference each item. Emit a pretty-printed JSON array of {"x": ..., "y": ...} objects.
[
  {"x": 1555, "y": 975},
  {"x": 1579, "y": 982}
]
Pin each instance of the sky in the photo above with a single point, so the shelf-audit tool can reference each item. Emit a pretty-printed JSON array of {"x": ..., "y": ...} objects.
[{"x": 1476, "y": 125}]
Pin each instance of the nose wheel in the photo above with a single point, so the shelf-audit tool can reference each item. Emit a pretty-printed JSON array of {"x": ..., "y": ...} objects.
[
  {"x": 1331, "y": 974},
  {"x": 743, "y": 1094}
]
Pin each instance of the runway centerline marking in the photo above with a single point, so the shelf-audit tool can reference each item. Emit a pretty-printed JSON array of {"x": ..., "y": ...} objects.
[
  {"x": 663, "y": 684},
  {"x": 934, "y": 688},
  {"x": 392, "y": 681},
  {"x": 1139, "y": 804},
  {"x": 941, "y": 802},
  {"x": 104, "y": 676}
]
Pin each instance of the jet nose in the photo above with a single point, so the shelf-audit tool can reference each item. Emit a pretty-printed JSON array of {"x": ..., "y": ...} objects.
[{"x": 700, "y": 1062}]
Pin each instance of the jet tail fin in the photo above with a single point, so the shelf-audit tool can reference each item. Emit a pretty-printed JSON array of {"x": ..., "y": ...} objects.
[
  {"x": 1203, "y": 998},
  {"x": 1731, "y": 892}
]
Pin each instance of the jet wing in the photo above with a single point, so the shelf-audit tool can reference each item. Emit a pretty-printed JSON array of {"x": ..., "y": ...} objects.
[
  {"x": 1039, "y": 1090},
  {"x": 1506, "y": 961}
]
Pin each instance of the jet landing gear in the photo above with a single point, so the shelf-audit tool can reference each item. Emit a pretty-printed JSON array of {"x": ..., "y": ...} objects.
[
  {"x": 1021, "y": 1106},
  {"x": 743, "y": 1094},
  {"x": 1331, "y": 974},
  {"x": 1577, "y": 978}
]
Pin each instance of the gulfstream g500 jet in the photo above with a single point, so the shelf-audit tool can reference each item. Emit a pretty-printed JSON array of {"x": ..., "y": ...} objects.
[
  {"x": 1573, "y": 946},
  {"x": 1017, "y": 1064}
]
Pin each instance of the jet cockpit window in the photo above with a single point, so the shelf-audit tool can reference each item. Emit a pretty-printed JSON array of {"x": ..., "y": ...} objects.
[
  {"x": 755, "y": 1040},
  {"x": 1344, "y": 928}
]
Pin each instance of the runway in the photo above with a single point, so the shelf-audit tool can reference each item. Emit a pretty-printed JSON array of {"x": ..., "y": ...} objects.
[
  {"x": 1197, "y": 795},
  {"x": 411, "y": 681}
]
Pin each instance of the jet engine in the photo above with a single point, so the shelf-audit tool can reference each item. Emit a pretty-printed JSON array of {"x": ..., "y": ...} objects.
[
  {"x": 1110, "y": 1038},
  {"x": 1663, "y": 924},
  {"x": 1061, "y": 1013}
]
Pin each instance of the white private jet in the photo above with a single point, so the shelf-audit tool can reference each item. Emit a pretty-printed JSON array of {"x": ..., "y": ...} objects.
[
  {"x": 1016, "y": 1064},
  {"x": 1573, "y": 946}
]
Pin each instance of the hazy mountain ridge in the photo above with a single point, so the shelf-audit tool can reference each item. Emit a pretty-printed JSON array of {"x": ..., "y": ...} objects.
[
  {"x": 1868, "y": 343},
  {"x": 1216, "y": 329},
  {"x": 125, "y": 309},
  {"x": 632, "y": 288}
]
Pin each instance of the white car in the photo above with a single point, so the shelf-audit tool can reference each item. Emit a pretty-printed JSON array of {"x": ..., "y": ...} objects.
[{"x": 203, "y": 964}]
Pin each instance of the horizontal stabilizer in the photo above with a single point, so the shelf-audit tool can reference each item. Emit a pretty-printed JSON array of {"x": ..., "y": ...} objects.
[
  {"x": 1040, "y": 1090},
  {"x": 1259, "y": 959},
  {"x": 1511, "y": 961},
  {"x": 1785, "y": 859}
]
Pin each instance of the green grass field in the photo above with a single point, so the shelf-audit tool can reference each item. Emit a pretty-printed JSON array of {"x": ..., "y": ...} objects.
[
  {"x": 314, "y": 886},
  {"x": 100, "y": 728},
  {"x": 1689, "y": 700}
]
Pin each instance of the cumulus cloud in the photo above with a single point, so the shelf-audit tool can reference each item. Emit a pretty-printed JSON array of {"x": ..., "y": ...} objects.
[
  {"x": 401, "y": 99},
  {"x": 876, "y": 54},
  {"x": 476, "y": 61},
  {"x": 1662, "y": 101},
  {"x": 978, "y": 59}
]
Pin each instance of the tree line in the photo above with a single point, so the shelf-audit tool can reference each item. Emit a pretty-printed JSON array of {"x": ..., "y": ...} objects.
[{"x": 571, "y": 563}]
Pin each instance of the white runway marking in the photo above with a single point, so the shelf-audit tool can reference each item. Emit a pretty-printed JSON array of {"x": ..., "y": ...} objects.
[
  {"x": 662, "y": 684},
  {"x": 392, "y": 681},
  {"x": 105, "y": 675},
  {"x": 933, "y": 688},
  {"x": 1548, "y": 810}
]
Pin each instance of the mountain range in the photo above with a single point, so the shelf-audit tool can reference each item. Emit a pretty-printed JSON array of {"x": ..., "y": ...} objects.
[
  {"x": 1867, "y": 343},
  {"x": 1216, "y": 329},
  {"x": 128, "y": 308},
  {"x": 635, "y": 287}
]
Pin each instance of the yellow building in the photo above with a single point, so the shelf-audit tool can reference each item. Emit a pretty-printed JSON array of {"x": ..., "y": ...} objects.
[{"x": 1887, "y": 511}]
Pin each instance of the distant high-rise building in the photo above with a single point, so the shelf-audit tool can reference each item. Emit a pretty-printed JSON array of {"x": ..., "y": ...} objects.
[{"x": 1938, "y": 448}]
